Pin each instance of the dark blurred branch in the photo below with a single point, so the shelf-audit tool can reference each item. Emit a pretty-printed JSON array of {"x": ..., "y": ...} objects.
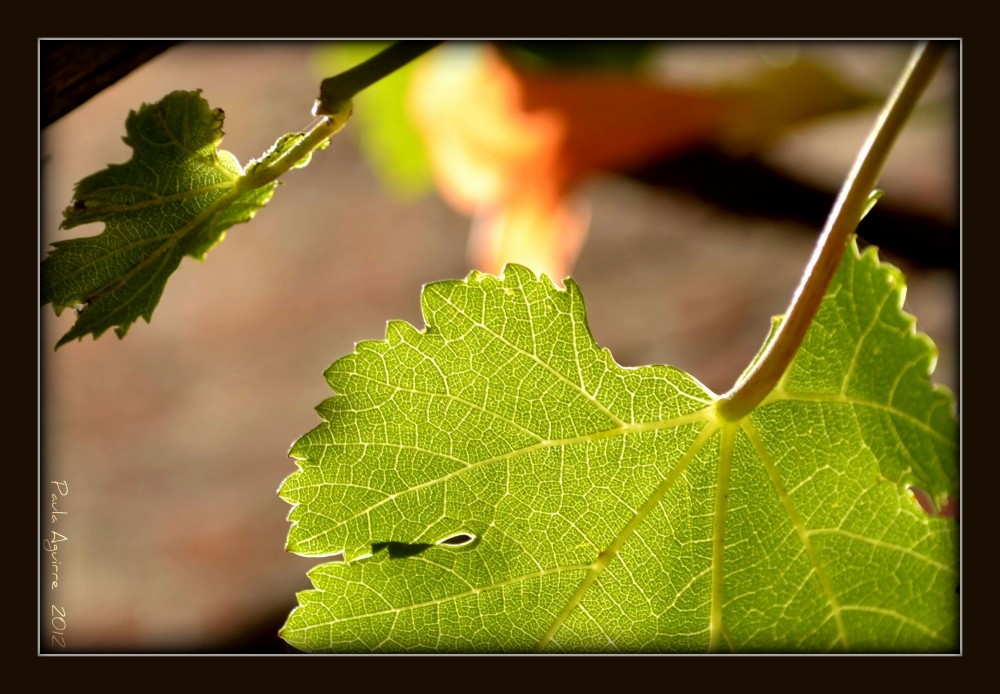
[
  {"x": 74, "y": 71},
  {"x": 747, "y": 186}
]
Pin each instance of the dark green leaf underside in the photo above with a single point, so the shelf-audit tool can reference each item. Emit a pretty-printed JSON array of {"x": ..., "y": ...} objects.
[{"x": 176, "y": 196}]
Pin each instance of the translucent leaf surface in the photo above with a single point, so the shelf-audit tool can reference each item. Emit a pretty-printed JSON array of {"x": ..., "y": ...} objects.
[
  {"x": 599, "y": 508},
  {"x": 176, "y": 196}
]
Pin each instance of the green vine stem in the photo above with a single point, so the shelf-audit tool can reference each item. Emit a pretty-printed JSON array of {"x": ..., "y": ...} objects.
[
  {"x": 323, "y": 130},
  {"x": 335, "y": 91},
  {"x": 850, "y": 206},
  {"x": 335, "y": 106}
]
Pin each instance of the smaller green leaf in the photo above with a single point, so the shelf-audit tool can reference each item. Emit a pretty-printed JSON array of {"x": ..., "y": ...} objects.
[{"x": 176, "y": 196}]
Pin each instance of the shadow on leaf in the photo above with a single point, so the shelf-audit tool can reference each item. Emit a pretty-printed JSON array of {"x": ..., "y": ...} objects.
[{"x": 399, "y": 550}]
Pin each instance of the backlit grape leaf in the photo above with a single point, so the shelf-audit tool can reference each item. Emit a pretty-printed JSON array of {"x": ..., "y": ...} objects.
[
  {"x": 176, "y": 196},
  {"x": 592, "y": 507}
]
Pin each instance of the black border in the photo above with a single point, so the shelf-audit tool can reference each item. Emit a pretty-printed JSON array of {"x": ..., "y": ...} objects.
[{"x": 976, "y": 298}]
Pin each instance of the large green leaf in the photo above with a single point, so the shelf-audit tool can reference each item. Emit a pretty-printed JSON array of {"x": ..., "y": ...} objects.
[
  {"x": 176, "y": 196},
  {"x": 593, "y": 507}
]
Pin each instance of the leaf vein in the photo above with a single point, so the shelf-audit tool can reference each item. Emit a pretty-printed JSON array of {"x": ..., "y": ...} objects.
[
  {"x": 798, "y": 524},
  {"x": 884, "y": 545},
  {"x": 682, "y": 420},
  {"x": 534, "y": 357}
]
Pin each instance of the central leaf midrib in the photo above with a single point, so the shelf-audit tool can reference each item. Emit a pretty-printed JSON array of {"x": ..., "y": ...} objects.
[
  {"x": 156, "y": 200},
  {"x": 799, "y": 526},
  {"x": 727, "y": 445},
  {"x": 608, "y": 555}
]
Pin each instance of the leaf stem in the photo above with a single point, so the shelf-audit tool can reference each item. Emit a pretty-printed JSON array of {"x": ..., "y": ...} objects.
[
  {"x": 847, "y": 211},
  {"x": 335, "y": 107},
  {"x": 323, "y": 130},
  {"x": 339, "y": 89}
]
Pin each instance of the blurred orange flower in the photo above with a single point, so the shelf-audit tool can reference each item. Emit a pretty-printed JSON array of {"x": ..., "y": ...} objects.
[{"x": 508, "y": 146}]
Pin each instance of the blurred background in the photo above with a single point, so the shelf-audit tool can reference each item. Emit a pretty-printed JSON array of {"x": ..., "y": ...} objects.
[{"x": 686, "y": 229}]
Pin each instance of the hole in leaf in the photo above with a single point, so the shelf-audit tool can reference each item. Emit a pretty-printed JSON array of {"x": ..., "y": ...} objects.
[
  {"x": 458, "y": 540},
  {"x": 948, "y": 510}
]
